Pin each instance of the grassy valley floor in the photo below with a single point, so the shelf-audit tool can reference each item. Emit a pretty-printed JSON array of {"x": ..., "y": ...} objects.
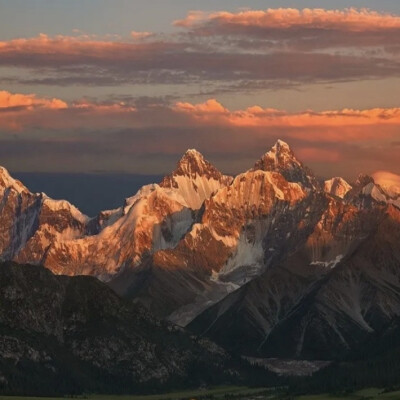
[{"x": 237, "y": 393}]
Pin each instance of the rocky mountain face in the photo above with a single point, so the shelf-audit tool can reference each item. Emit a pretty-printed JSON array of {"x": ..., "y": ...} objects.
[
  {"x": 63, "y": 335},
  {"x": 271, "y": 262},
  {"x": 54, "y": 233},
  {"x": 316, "y": 309},
  {"x": 282, "y": 159},
  {"x": 32, "y": 222},
  {"x": 337, "y": 187}
]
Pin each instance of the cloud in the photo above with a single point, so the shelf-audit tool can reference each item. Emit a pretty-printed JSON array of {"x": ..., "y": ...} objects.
[
  {"x": 138, "y": 35},
  {"x": 26, "y": 111},
  {"x": 210, "y": 107},
  {"x": 233, "y": 69},
  {"x": 351, "y": 19},
  {"x": 338, "y": 125},
  {"x": 256, "y": 116},
  {"x": 242, "y": 51},
  {"x": 296, "y": 29},
  {"x": 122, "y": 133},
  {"x": 10, "y": 101},
  {"x": 77, "y": 50}
]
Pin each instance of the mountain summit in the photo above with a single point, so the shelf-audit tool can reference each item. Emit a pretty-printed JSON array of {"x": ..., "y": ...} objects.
[
  {"x": 193, "y": 165},
  {"x": 337, "y": 186},
  {"x": 282, "y": 159},
  {"x": 280, "y": 156},
  {"x": 195, "y": 178}
]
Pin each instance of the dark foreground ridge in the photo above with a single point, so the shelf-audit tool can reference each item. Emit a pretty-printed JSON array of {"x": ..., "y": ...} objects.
[{"x": 61, "y": 335}]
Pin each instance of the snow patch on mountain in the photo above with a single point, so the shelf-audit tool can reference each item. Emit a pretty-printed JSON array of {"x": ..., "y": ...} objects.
[
  {"x": 168, "y": 234},
  {"x": 328, "y": 264},
  {"x": 248, "y": 256},
  {"x": 197, "y": 189}
]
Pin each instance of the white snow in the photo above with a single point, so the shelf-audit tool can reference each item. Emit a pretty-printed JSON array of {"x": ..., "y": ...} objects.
[
  {"x": 388, "y": 181},
  {"x": 330, "y": 263},
  {"x": 143, "y": 191},
  {"x": 229, "y": 241},
  {"x": 177, "y": 224},
  {"x": 249, "y": 189},
  {"x": 195, "y": 190},
  {"x": 58, "y": 205},
  {"x": 281, "y": 152},
  {"x": 8, "y": 182},
  {"x": 380, "y": 195},
  {"x": 248, "y": 255}
]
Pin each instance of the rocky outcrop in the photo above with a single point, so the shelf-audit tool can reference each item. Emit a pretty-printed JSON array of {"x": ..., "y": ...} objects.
[
  {"x": 337, "y": 187},
  {"x": 281, "y": 159}
]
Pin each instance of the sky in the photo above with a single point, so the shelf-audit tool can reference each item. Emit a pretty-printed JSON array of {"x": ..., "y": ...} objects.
[{"x": 123, "y": 86}]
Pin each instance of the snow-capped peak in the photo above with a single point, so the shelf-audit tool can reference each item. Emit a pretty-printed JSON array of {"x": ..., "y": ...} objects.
[
  {"x": 195, "y": 178},
  {"x": 193, "y": 153},
  {"x": 63, "y": 205},
  {"x": 280, "y": 145},
  {"x": 193, "y": 162},
  {"x": 388, "y": 181},
  {"x": 282, "y": 159},
  {"x": 280, "y": 155},
  {"x": 7, "y": 181},
  {"x": 192, "y": 165}
]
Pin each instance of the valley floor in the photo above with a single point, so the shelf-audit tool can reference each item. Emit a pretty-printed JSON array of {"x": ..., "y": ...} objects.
[
  {"x": 365, "y": 394},
  {"x": 237, "y": 393}
]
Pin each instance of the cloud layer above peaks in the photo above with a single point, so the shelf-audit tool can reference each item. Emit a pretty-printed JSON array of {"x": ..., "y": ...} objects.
[{"x": 235, "y": 50}]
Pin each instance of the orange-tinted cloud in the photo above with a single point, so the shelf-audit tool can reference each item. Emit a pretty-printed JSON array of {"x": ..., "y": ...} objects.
[
  {"x": 115, "y": 134},
  {"x": 73, "y": 46},
  {"x": 24, "y": 111},
  {"x": 210, "y": 107},
  {"x": 256, "y": 116},
  {"x": 248, "y": 49},
  {"x": 351, "y": 19},
  {"x": 347, "y": 125},
  {"x": 140, "y": 35},
  {"x": 291, "y": 29},
  {"x": 9, "y": 100}
]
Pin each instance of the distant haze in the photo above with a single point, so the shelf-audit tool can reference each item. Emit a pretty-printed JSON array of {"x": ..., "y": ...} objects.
[{"x": 91, "y": 193}]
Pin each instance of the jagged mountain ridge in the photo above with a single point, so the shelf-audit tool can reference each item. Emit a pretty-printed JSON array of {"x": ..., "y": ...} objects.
[
  {"x": 190, "y": 248},
  {"x": 56, "y": 234}
]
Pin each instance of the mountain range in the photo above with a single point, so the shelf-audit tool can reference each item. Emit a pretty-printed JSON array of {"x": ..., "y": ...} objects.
[{"x": 272, "y": 262}]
